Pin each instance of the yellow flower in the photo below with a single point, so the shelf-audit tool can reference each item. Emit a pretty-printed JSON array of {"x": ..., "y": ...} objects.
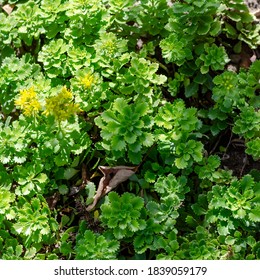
[
  {"x": 88, "y": 80},
  {"x": 61, "y": 106},
  {"x": 28, "y": 102},
  {"x": 110, "y": 47}
]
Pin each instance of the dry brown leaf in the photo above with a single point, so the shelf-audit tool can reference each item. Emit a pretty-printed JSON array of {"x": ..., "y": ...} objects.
[
  {"x": 113, "y": 176},
  {"x": 8, "y": 8}
]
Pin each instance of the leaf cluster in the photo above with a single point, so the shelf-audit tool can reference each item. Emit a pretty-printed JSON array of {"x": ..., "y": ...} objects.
[{"x": 91, "y": 88}]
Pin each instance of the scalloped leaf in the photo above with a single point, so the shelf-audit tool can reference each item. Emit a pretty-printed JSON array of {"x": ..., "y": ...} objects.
[{"x": 254, "y": 215}]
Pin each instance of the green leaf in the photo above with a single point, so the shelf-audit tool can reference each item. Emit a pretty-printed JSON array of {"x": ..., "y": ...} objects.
[
  {"x": 130, "y": 138},
  {"x": 191, "y": 221},
  {"x": 153, "y": 208},
  {"x": 204, "y": 28},
  {"x": 119, "y": 233},
  {"x": 139, "y": 241},
  {"x": 134, "y": 157},
  {"x": 63, "y": 189},
  {"x": 135, "y": 147},
  {"x": 141, "y": 109},
  {"x": 191, "y": 89},
  {"x": 251, "y": 241},
  {"x": 36, "y": 204},
  {"x": 230, "y": 240},
  {"x": 90, "y": 190},
  {"x": 223, "y": 230},
  {"x": 30, "y": 253},
  {"x": 118, "y": 143},
  {"x": 148, "y": 139},
  {"x": 234, "y": 16},
  {"x": 230, "y": 29},
  {"x": 108, "y": 116},
  {"x": 215, "y": 28},
  {"x": 119, "y": 105},
  {"x": 198, "y": 210},
  {"x": 181, "y": 163},
  {"x": 204, "y": 69},
  {"x": 182, "y": 8},
  {"x": 18, "y": 250},
  {"x": 70, "y": 172},
  {"x": 254, "y": 215},
  {"x": 66, "y": 248},
  {"x": 136, "y": 202},
  {"x": 134, "y": 226}
]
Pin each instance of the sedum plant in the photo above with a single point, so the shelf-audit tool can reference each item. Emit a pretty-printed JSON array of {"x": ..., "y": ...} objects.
[
  {"x": 171, "y": 87},
  {"x": 176, "y": 48},
  {"x": 94, "y": 246},
  {"x": 236, "y": 205},
  {"x": 160, "y": 232},
  {"x": 123, "y": 214},
  {"x": 110, "y": 53},
  {"x": 14, "y": 74},
  {"x": 25, "y": 31},
  {"x": 7, "y": 199},
  {"x": 177, "y": 126},
  {"x": 213, "y": 57},
  {"x": 90, "y": 90},
  {"x": 14, "y": 145},
  {"x": 248, "y": 123},
  {"x": 125, "y": 129},
  {"x": 252, "y": 148},
  {"x": 54, "y": 57},
  {"x": 34, "y": 223},
  {"x": 150, "y": 238},
  {"x": 61, "y": 105},
  {"x": 226, "y": 92},
  {"x": 31, "y": 179},
  {"x": 140, "y": 75}
]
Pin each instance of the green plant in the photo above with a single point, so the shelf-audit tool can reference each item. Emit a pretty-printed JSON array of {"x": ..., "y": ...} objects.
[
  {"x": 110, "y": 52},
  {"x": 179, "y": 124},
  {"x": 139, "y": 76},
  {"x": 14, "y": 143},
  {"x": 34, "y": 223},
  {"x": 91, "y": 88},
  {"x": 6, "y": 200},
  {"x": 26, "y": 30},
  {"x": 53, "y": 56},
  {"x": 91, "y": 246},
  {"x": 176, "y": 49},
  {"x": 248, "y": 123},
  {"x": 123, "y": 215},
  {"x": 234, "y": 206},
  {"x": 14, "y": 73},
  {"x": 172, "y": 191},
  {"x": 30, "y": 179},
  {"x": 214, "y": 57},
  {"x": 252, "y": 148},
  {"x": 126, "y": 128}
]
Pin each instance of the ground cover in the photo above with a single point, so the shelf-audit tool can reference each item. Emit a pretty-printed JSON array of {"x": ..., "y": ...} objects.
[{"x": 129, "y": 129}]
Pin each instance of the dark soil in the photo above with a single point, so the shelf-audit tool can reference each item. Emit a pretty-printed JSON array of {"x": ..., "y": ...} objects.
[{"x": 238, "y": 161}]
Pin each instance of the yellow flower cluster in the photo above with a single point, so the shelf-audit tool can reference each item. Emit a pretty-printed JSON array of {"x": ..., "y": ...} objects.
[
  {"x": 110, "y": 47},
  {"x": 61, "y": 106},
  {"x": 88, "y": 80},
  {"x": 228, "y": 83},
  {"x": 28, "y": 102}
]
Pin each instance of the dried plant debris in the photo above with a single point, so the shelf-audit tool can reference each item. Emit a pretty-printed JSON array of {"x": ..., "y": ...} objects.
[
  {"x": 8, "y": 8},
  {"x": 254, "y": 7},
  {"x": 113, "y": 176}
]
